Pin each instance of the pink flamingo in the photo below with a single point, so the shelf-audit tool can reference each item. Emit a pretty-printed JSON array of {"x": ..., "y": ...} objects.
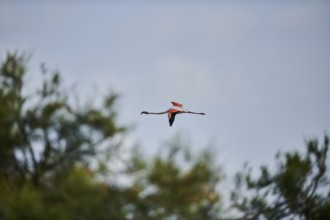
[{"x": 177, "y": 108}]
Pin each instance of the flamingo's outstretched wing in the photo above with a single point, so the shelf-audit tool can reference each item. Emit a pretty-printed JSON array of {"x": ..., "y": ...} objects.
[
  {"x": 171, "y": 117},
  {"x": 177, "y": 104}
]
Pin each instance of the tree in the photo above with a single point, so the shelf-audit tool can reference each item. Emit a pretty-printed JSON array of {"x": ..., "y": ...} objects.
[
  {"x": 47, "y": 145},
  {"x": 42, "y": 133},
  {"x": 177, "y": 184},
  {"x": 298, "y": 189}
]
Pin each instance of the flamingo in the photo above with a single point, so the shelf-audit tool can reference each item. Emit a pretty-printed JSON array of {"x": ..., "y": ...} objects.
[{"x": 177, "y": 108}]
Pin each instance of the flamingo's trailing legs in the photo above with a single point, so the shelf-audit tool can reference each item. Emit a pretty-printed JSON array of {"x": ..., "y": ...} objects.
[{"x": 177, "y": 108}]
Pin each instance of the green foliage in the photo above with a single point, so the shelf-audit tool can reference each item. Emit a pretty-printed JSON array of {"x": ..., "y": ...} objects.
[
  {"x": 49, "y": 148},
  {"x": 167, "y": 191},
  {"x": 47, "y": 121},
  {"x": 75, "y": 196},
  {"x": 298, "y": 189},
  {"x": 27, "y": 204}
]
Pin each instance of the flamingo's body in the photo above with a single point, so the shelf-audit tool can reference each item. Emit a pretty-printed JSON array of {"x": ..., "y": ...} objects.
[{"x": 177, "y": 108}]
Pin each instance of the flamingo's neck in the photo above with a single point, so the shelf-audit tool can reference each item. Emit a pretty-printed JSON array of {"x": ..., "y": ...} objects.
[{"x": 154, "y": 113}]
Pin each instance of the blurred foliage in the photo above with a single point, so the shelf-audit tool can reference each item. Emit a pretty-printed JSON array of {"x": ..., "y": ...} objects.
[
  {"x": 173, "y": 186},
  {"x": 55, "y": 159},
  {"x": 42, "y": 133},
  {"x": 298, "y": 189}
]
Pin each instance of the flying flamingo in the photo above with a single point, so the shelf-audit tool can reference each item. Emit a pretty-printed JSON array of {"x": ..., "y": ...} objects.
[{"x": 177, "y": 108}]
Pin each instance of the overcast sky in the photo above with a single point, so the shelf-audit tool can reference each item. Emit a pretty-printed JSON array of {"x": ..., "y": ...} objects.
[{"x": 260, "y": 71}]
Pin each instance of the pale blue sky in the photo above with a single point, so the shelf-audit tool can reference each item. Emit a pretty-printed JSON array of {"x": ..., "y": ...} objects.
[{"x": 260, "y": 71}]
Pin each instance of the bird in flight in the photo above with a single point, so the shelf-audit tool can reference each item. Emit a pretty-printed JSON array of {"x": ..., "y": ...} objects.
[{"x": 177, "y": 108}]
